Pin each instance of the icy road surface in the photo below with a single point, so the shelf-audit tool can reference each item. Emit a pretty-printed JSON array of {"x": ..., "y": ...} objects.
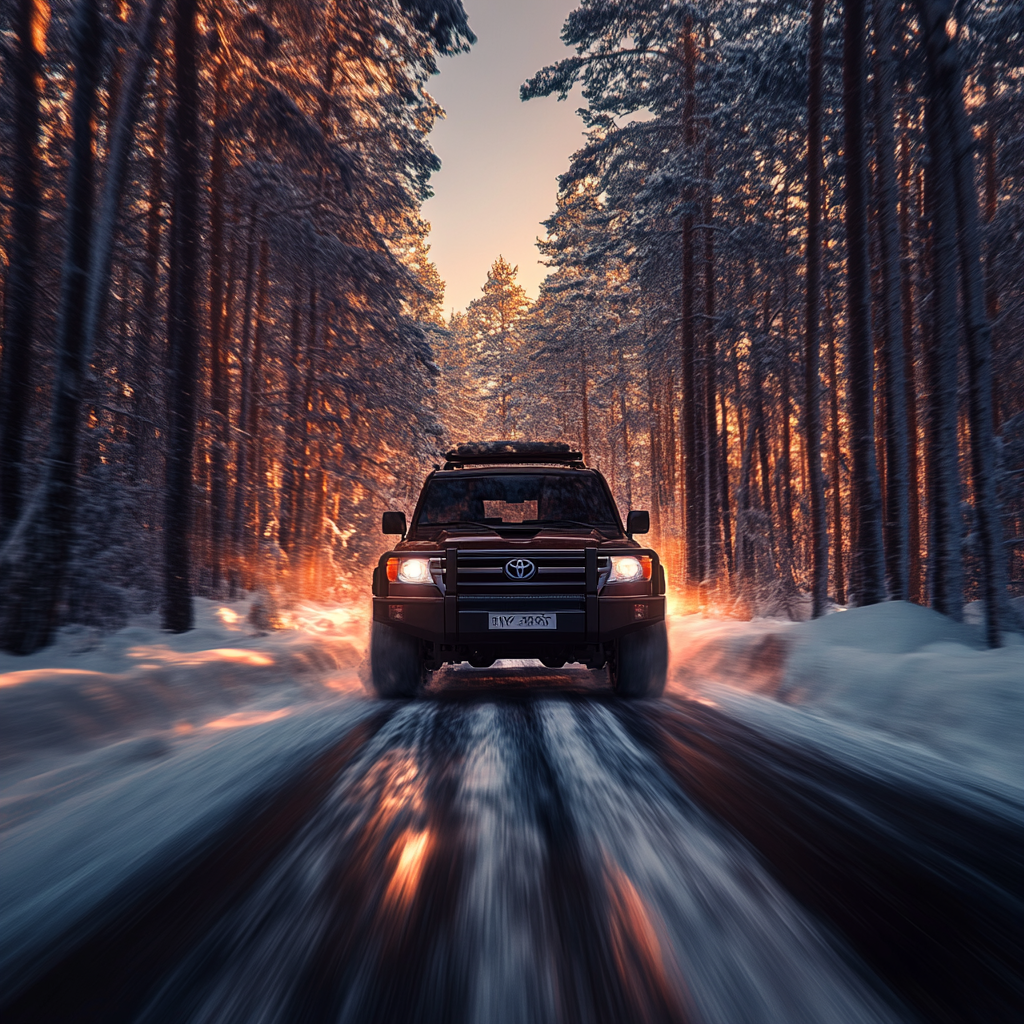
[{"x": 520, "y": 847}]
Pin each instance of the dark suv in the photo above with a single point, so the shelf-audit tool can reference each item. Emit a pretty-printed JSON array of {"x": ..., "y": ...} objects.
[{"x": 516, "y": 550}]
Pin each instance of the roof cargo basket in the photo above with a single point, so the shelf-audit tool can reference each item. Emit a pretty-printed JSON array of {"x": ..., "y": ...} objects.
[{"x": 510, "y": 453}]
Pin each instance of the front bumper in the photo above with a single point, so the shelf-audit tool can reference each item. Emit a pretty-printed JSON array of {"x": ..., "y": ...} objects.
[{"x": 453, "y": 620}]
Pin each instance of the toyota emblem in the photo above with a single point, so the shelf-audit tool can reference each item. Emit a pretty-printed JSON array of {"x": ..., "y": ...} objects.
[{"x": 519, "y": 569}]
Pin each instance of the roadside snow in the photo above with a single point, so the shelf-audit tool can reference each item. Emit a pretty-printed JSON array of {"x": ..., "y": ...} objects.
[
  {"x": 95, "y": 708},
  {"x": 146, "y": 805},
  {"x": 123, "y": 751},
  {"x": 90, "y": 688},
  {"x": 895, "y": 668}
]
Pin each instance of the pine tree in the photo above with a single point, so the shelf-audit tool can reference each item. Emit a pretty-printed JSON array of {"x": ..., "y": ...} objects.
[{"x": 494, "y": 321}]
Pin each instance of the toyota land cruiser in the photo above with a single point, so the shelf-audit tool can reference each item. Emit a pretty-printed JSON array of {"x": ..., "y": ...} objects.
[{"x": 516, "y": 550}]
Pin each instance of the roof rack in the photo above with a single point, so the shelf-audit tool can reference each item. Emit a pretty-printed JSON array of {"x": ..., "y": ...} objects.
[{"x": 506, "y": 453}]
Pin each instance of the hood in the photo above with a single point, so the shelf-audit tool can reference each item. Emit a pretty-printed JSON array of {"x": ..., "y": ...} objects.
[{"x": 546, "y": 539}]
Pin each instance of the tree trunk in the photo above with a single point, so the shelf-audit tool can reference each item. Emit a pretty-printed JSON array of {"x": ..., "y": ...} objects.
[
  {"x": 712, "y": 503},
  {"x": 653, "y": 434},
  {"x": 122, "y": 140},
  {"x": 22, "y": 253},
  {"x": 945, "y": 572},
  {"x": 624, "y": 428},
  {"x": 723, "y": 480},
  {"x": 868, "y": 554},
  {"x": 909, "y": 381},
  {"x": 142, "y": 371},
  {"x": 991, "y": 205},
  {"x": 252, "y": 425},
  {"x": 712, "y": 500},
  {"x": 185, "y": 256},
  {"x": 812, "y": 345},
  {"x": 670, "y": 461},
  {"x": 692, "y": 499},
  {"x": 584, "y": 401},
  {"x": 219, "y": 401},
  {"x": 758, "y": 356},
  {"x": 946, "y": 88},
  {"x": 835, "y": 458},
  {"x": 245, "y": 390},
  {"x": 890, "y": 319},
  {"x": 784, "y": 463},
  {"x": 744, "y": 568},
  {"x": 301, "y": 529},
  {"x": 33, "y": 562},
  {"x": 286, "y": 520}
]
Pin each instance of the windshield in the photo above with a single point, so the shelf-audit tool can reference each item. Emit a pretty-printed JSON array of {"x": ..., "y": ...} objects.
[{"x": 574, "y": 499}]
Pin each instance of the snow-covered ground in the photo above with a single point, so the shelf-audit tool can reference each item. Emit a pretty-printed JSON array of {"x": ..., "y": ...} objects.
[
  {"x": 91, "y": 688},
  {"x": 897, "y": 670},
  {"x": 130, "y": 749}
]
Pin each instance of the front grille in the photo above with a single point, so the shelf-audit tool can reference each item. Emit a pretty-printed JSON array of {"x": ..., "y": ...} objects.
[
  {"x": 558, "y": 572},
  {"x": 559, "y": 584}
]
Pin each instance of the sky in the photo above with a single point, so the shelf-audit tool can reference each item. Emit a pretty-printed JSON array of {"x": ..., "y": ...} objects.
[{"x": 500, "y": 157}]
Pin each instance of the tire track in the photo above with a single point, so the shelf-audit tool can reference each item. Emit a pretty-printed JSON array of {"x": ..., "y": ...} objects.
[
  {"x": 524, "y": 856},
  {"x": 927, "y": 889}
]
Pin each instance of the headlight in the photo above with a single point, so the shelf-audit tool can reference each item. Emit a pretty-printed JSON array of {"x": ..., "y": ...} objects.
[
  {"x": 409, "y": 570},
  {"x": 628, "y": 568}
]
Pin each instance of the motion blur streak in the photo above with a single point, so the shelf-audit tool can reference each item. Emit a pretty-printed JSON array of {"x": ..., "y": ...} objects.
[
  {"x": 531, "y": 857},
  {"x": 165, "y": 655},
  {"x": 240, "y": 719},
  {"x": 920, "y": 873}
]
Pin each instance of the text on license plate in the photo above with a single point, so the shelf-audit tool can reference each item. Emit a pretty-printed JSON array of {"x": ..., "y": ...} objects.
[{"x": 521, "y": 620}]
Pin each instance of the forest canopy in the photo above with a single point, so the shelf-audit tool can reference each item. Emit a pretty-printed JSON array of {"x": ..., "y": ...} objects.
[{"x": 783, "y": 310}]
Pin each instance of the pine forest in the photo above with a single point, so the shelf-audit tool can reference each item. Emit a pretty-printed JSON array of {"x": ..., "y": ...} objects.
[{"x": 784, "y": 307}]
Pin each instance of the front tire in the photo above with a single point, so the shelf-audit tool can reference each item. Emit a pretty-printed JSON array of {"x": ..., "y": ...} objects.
[
  {"x": 396, "y": 662},
  {"x": 641, "y": 662}
]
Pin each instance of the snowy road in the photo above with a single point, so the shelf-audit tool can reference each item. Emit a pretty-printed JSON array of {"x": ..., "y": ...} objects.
[{"x": 522, "y": 847}]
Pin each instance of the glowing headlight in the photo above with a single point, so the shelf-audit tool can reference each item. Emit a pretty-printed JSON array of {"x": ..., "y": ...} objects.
[
  {"x": 627, "y": 568},
  {"x": 413, "y": 570}
]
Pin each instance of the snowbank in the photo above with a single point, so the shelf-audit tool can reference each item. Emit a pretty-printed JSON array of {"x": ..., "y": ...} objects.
[
  {"x": 123, "y": 754},
  {"x": 90, "y": 689},
  {"x": 896, "y": 668},
  {"x": 142, "y": 807}
]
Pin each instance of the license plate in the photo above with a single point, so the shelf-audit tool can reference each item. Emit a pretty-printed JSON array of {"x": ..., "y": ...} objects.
[{"x": 521, "y": 620}]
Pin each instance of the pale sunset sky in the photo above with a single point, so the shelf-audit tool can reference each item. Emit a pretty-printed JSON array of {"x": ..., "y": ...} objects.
[{"x": 500, "y": 157}]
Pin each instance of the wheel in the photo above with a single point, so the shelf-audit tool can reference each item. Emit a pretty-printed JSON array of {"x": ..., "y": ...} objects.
[
  {"x": 641, "y": 662},
  {"x": 396, "y": 662}
]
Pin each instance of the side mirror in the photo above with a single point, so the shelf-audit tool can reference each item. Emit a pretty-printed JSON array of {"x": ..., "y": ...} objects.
[
  {"x": 638, "y": 522},
  {"x": 393, "y": 522}
]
